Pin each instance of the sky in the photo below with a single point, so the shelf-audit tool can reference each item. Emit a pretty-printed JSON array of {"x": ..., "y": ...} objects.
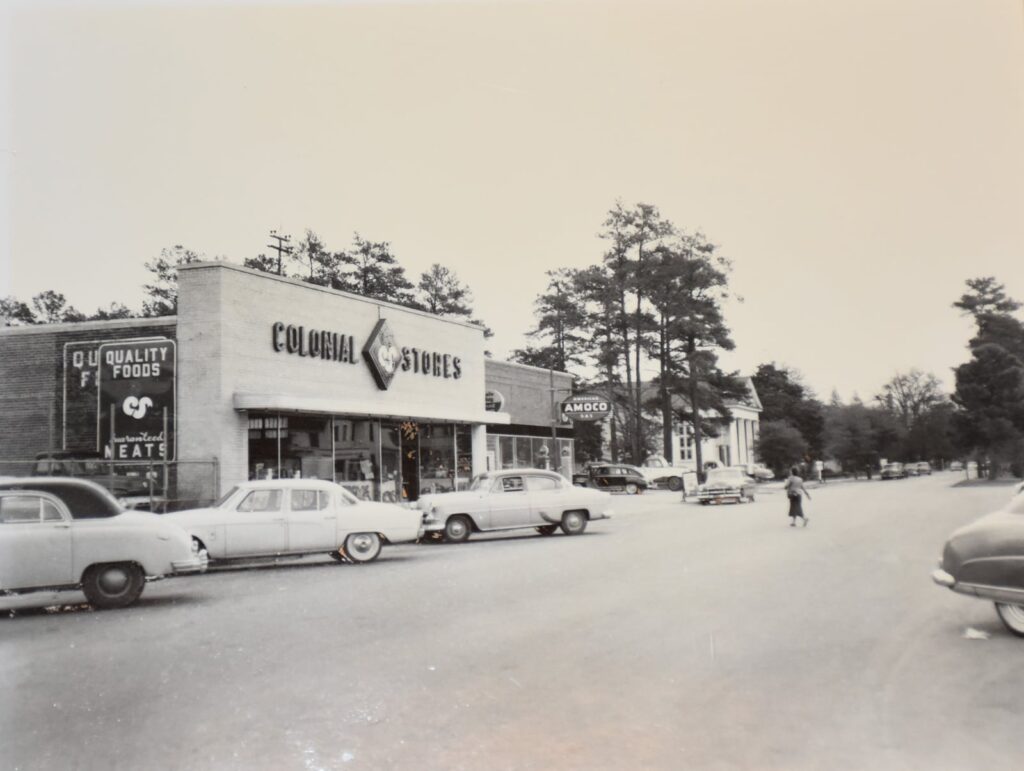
[{"x": 856, "y": 160}]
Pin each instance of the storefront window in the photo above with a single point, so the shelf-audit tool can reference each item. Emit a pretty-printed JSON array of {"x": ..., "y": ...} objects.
[
  {"x": 356, "y": 457},
  {"x": 524, "y": 452},
  {"x": 506, "y": 452},
  {"x": 390, "y": 463},
  {"x": 289, "y": 446},
  {"x": 437, "y": 459}
]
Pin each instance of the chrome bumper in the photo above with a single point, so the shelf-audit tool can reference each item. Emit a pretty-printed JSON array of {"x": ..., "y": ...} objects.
[
  {"x": 197, "y": 564},
  {"x": 942, "y": 578}
]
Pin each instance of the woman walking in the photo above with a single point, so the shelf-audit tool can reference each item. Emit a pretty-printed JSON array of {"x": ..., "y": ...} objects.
[{"x": 794, "y": 490}]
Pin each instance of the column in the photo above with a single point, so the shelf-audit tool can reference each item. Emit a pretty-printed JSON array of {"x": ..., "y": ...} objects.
[{"x": 479, "y": 442}]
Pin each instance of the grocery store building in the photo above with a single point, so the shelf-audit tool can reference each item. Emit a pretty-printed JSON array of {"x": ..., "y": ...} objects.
[{"x": 264, "y": 376}]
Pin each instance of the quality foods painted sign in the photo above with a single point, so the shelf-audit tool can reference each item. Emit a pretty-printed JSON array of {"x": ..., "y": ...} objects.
[{"x": 136, "y": 399}]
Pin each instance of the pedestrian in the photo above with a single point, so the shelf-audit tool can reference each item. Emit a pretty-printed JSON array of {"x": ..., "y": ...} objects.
[{"x": 794, "y": 491}]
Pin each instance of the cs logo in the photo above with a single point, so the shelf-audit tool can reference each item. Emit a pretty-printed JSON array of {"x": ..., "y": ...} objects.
[{"x": 135, "y": 407}]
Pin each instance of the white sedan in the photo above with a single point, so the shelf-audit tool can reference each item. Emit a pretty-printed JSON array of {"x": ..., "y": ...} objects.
[
  {"x": 510, "y": 500},
  {"x": 296, "y": 517},
  {"x": 58, "y": 534}
]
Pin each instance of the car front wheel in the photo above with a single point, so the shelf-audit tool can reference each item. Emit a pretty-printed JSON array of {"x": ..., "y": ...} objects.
[
  {"x": 1012, "y": 616},
  {"x": 113, "y": 586},
  {"x": 632, "y": 488},
  {"x": 457, "y": 529},
  {"x": 675, "y": 484},
  {"x": 574, "y": 522}
]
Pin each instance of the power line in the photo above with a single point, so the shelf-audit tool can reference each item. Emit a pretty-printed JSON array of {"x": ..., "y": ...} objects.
[{"x": 280, "y": 247}]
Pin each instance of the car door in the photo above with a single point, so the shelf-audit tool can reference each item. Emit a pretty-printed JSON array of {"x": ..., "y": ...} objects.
[
  {"x": 312, "y": 522},
  {"x": 35, "y": 542},
  {"x": 508, "y": 503},
  {"x": 546, "y": 497},
  {"x": 257, "y": 525}
]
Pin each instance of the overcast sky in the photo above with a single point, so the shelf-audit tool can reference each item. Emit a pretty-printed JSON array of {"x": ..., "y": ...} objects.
[{"x": 856, "y": 160}]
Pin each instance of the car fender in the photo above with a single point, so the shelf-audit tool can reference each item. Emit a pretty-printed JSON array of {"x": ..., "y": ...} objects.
[{"x": 133, "y": 536}]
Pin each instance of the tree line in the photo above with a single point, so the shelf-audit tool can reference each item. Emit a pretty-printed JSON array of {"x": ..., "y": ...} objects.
[{"x": 368, "y": 268}]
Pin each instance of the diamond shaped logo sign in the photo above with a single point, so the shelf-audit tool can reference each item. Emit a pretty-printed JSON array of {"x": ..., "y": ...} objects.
[{"x": 382, "y": 354}]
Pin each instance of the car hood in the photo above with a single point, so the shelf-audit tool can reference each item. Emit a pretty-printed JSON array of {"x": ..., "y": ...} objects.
[
  {"x": 449, "y": 499},
  {"x": 190, "y": 517}
]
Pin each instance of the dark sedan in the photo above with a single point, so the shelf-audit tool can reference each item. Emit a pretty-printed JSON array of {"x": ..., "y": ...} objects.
[
  {"x": 612, "y": 477},
  {"x": 986, "y": 559}
]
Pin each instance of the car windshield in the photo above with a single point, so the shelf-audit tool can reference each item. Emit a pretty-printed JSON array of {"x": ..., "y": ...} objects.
[
  {"x": 481, "y": 482},
  {"x": 224, "y": 498}
]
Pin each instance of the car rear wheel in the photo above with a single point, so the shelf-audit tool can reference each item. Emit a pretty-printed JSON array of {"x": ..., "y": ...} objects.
[
  {"x": 113, "y": 586},
  {"x": 1012, "y": 616},
  {"x": 675, "y": 484},
  {"x": 547, "y": 529},
  {"x": 362, "y": 547},
  {"x": 632, "y": 488},
  {"x": 574, "y": 522},
  {"x": 457, "y": 529}
]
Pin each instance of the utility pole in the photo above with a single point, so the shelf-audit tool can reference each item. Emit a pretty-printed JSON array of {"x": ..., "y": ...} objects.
[{"x": 280, "y": 247}]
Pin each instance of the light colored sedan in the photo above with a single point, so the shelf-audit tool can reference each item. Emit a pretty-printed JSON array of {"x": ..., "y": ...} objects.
[
  {"x": 295, "y": 517},
  {"x": 58, "y": 534},
  {"x": 512, "y": 500}
]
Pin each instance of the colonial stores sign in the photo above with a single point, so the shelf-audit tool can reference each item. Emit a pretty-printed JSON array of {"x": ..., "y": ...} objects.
[
  {"x": 119, "y": 398},
  {"x": 380, "y": 352}
]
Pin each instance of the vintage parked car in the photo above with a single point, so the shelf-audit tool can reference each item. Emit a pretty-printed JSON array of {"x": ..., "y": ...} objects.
[
  {"x": 658, "y": 471},
  {"x": 893, "y": 471},
  {"x": 924, "y": 468},
  {"x": 986, "y": 559},
  {"x": 514, "y": 499},
  {"x": 61, "y": 533},
  {"x": 613, "y": 477},
  {"x": 295, "y": 517},
  {"x": 760, "y": 472},
  {"x": 726, "y": 485},
  {"x": 956, "y": 466}
]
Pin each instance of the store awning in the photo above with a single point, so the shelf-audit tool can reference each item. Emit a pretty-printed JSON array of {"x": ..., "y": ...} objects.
[{"x": 341, "y": 406}]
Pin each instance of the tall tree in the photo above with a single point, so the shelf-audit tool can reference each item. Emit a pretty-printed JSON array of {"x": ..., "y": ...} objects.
[
  {"x": 780, "y": 445},
  {"x": 15, "y": 313},
  {"x": 908, "y": 395},
  {"x": 52, "y": 307},
  {"x": 441, "y": 293},
  {"x": 561, "y": 319},
  {"x": 785, "y": 398},
  {"x": 318, "y": 264},
  {"x": 371, "y": 270},
  {"x": 990, "y": 387},
  {"x": 634, "y": 233},
  {"x": 163, "y": 292}
]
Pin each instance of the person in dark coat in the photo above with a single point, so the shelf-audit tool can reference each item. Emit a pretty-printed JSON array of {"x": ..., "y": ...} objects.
[{"x": 794, "y": 491}]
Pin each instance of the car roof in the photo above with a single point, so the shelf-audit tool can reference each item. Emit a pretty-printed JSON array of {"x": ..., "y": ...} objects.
[
  {"x": 277, "y": 484},
  {"x": 31, "y": 483}
]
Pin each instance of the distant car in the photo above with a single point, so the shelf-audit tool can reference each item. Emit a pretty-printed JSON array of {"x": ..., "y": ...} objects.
[
  {"x": 511, "y": 500},
  {"x": 924, "y": 468},
  {"x": 726, "y": 485},
  {"x": 910, "y": 469},
  {"x": 984, "y": 560},
  {"x": 128, "y": 484},
  {"x": 64, "y": 534},
  {"x": 616, "y": 477},
  {"x": 956, "y": 466},
  {"x": 760, "y": 472},
  {"x": 295, "y": 517},
  {"x": 658, "y": 471},
  {"x": 893, "y": 471}
]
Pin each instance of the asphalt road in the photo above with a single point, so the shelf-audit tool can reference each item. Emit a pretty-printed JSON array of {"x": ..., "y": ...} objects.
[{"x": 674, "y": 636}]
